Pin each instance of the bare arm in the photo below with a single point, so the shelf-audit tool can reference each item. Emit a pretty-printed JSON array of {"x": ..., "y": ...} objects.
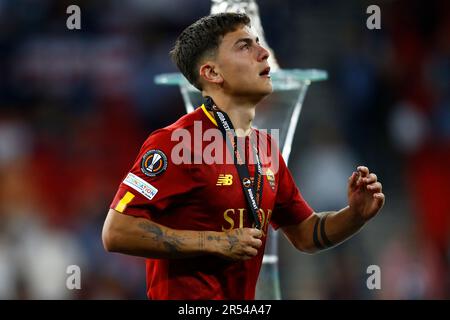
[
  {"x": 323, "y": 230},
  {"x": 144, "y": 238},
  {"x": 327, "y": 229}
]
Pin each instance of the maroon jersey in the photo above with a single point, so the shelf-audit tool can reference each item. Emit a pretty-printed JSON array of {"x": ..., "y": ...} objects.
[{"x": 192, "y": 195}]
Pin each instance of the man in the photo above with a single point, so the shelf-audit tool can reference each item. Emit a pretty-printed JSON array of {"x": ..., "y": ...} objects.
[{"x": 203, "y": 226}]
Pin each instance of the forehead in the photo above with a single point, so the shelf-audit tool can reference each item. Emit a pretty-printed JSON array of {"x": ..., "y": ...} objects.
[{"x": 241, "y": 32}]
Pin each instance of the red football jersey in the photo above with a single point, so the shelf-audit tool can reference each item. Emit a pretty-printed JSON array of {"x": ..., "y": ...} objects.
[{"x": 209, "y": 197}]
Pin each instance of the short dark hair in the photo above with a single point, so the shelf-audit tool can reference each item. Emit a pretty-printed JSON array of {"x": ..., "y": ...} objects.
[{"x": 201, "y": 38}]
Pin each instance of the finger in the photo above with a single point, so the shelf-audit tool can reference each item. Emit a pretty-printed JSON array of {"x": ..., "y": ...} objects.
[
  {"x": 380, "y": 198},
  {"x": 246, "y": 257},
  {"x": 363, "y": 170},
  {"x": 375, "y": 187},
  {"x": 251, "y": 252},
  {"x": 256, "y": 233},
  {"x": 360, "y": 179},
  {"x": 256, "y": 243},
  {"x": 353, "y": 179},
  {"x": 371, "y": 178}
]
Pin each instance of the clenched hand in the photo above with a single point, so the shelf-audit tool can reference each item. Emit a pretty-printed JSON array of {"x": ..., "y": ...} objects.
[
  {"x": 240, "y": 244},
  {"x": 365, "y": 196}
]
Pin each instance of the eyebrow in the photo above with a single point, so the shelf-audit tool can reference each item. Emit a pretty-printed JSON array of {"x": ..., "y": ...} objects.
[{"x": 247, "y": 40}]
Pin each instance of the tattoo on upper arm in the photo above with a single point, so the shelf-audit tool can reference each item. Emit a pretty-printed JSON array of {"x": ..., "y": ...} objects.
[{"x": 319, "y": 227}]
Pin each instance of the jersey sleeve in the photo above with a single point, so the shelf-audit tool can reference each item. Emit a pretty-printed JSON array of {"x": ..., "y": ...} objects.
[
  {"x": 155, "y": 182},
  {"x": 290, "y": 207}
]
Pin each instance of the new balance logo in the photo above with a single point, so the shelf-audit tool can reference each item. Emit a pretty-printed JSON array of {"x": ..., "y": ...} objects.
[{"x": 224, "y": 180}]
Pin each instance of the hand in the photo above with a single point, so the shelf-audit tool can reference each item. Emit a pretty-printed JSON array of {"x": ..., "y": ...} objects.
[
  {"x": 365, "y": 197},
  {"x": 240, "y": 244}
]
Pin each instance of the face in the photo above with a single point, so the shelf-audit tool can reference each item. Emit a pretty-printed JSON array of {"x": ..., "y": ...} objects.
[{"x": 242, "y": 66}]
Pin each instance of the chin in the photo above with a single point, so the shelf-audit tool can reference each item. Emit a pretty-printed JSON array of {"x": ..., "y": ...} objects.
[
  {"x": 267, "y": 90},
  {"x": 258, "y": 93}
]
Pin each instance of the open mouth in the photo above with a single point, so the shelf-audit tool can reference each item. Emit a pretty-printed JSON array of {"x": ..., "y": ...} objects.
[{"x": 265, "y": 72}]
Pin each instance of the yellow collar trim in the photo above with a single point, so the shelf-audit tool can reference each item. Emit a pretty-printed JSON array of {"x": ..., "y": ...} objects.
[{"x": 208, "y": 114}]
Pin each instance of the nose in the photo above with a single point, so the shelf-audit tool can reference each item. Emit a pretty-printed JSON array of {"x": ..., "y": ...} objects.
[{"x": 263, "y": 54}]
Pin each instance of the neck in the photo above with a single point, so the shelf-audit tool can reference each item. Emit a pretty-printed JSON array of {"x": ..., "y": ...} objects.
[{"x": 241, "y": 113}]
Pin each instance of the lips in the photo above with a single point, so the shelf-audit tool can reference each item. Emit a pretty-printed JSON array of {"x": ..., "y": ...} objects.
[{"x": 265, "y": 72}]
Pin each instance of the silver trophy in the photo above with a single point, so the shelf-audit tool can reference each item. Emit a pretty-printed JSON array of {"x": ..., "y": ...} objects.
[{"x": 281, "y": 110}]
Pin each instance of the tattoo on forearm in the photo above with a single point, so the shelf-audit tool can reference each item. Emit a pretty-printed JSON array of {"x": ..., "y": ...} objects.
[
  {"x": 217, "y": 238},
  {"x": 152, "y": 229},
  {"x": 232, "y": 240},
  {"x": 319, "y": 227},
  {"x": 201, "y": 240},
  {"x": 171, "y": 243}
]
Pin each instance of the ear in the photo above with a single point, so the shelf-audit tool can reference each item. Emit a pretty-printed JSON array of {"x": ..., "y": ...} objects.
[{"x": 210, "y": 74}]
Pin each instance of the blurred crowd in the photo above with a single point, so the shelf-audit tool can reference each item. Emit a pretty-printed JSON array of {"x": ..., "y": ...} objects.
[{"x": 75, "y": 106}]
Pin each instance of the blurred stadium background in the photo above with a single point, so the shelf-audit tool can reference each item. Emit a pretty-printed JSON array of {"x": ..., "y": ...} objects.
[{"x": 75, "y": 107}]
